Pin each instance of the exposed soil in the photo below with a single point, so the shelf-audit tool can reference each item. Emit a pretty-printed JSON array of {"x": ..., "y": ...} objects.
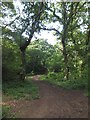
[{"x": 54, "y": 102}]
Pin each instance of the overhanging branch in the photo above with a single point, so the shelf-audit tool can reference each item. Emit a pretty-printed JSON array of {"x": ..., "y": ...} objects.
[{"x": 51, "y": 29}]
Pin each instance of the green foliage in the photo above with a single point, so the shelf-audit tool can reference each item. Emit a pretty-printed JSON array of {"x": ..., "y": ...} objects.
[
  {"x": 10, "y": 60},
  {"x": 37, "y": 54},
  {"x": 74, "y": 84},
  {"x": 55, "y": 63},
  {"x": 57, "y": 79},
  {"x": 71, "y": 50},
  {"x": 9, "y": 5},
  {"x": 35, "y": 62},
  {"x": 18, "y": 89},
  {"x": 87, "y": 93},
  {"x": 5, "y": 111}
]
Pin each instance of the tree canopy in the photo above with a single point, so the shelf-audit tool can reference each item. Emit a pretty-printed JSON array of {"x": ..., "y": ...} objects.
[{"x": 69, "y": 21}]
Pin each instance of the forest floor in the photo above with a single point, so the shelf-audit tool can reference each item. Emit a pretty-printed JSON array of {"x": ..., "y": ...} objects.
[{"x": 54, "y": 102}]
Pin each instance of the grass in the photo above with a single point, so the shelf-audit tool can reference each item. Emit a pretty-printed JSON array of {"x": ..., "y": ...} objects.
[
  {"x": 18, "y": 89},
  {"x": 6, "y": 112}
]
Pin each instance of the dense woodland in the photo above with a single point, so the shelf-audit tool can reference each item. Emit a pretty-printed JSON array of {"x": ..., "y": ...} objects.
[{"x": 65, "y": 63}]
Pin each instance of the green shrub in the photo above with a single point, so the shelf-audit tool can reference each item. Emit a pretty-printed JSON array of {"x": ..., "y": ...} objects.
[
  {"x": 74, "y": 84},
  {"x": 58, "y": 79},
  {"x": 10, "y": 60}
]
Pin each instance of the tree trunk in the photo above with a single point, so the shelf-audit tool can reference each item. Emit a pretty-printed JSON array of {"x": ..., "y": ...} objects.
[
  {"x": 65, "y": 59},
  {"x": 64, "y": 37},
  {"x": 23, "y": 71}
]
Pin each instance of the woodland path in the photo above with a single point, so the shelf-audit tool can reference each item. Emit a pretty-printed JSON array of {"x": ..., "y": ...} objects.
[{"x": 54, "y": 102}]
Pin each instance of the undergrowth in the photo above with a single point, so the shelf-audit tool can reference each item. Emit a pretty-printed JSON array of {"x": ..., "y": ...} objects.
[
  {"x": 57, "y": 79},
  {"x": 19, "y": 89},
  {"x": 6, "y": 112}
]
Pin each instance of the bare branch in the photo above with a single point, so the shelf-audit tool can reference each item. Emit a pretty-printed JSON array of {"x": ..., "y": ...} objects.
[
  {"x": 51, "y": 29},
  {"x": 58, "y": 17}
]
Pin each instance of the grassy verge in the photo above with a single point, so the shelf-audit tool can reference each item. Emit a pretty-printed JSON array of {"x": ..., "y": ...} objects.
[
  {"x": 55, "y": 79},
  {"x": 18, "y": 90},
  {"x": 6, "y": 112}
]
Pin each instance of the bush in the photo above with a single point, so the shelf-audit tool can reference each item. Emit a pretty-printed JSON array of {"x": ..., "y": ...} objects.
[
  {"x": 10, "y": 60},
  {"x": 74, "y": 84},
  {"x": 58, "y": 79}
]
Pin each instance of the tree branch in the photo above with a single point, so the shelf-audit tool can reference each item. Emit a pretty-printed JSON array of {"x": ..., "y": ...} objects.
[
  {"x": 50, "y": 29},
  {"x": 33, "y": 28},
  {"x": 76, "y": 26},
  {"x": 75, "y": 12},
  {"x": 11, "y": 22},
  {"x": 60, "y": 20}
]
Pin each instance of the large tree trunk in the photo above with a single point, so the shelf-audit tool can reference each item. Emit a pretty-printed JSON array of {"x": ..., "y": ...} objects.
[
  {"x": 65, "y": 59},
  {"x": 64, "y": 37},
  {"x": 23, "y": 70}
]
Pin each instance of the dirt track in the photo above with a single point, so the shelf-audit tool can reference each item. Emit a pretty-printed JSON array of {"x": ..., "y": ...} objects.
[{"x": 54, "y": 102}]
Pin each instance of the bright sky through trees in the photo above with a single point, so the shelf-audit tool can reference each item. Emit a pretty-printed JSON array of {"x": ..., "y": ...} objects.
[
  {"x": 43, "y": 34},
  {"x": 47, "y": 36}
]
